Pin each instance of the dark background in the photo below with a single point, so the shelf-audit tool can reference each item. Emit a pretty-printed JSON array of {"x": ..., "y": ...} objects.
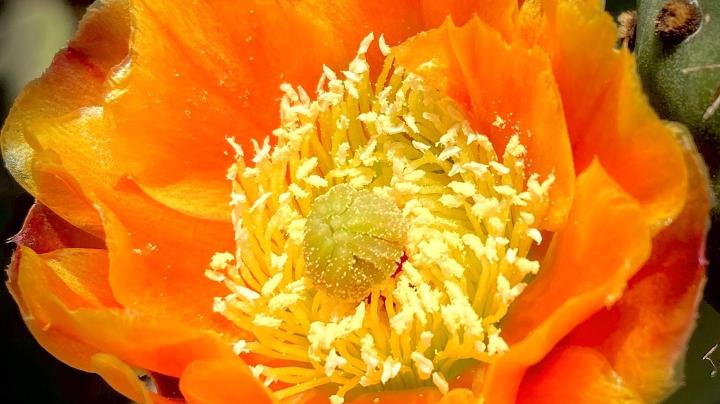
[{"x": 34, "y": 376}]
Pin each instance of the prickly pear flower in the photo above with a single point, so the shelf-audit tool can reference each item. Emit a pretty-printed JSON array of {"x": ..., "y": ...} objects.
[{"x": 356, "y": 202}]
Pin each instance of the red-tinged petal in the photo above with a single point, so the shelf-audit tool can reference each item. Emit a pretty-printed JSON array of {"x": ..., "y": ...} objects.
[
  {"x": 644, "y": 335},
  {"x": 200, "y": 72},
  {"x": 45, "y": 231},
  {"x": 222, "y": 382},
  {"x": 75, "y": 79},
  {"x": 586, "y": 268},
  {"x": 515, "y": 84},
  {"x": 607, "y": 114},
  {"x": 575, "y": 375}
]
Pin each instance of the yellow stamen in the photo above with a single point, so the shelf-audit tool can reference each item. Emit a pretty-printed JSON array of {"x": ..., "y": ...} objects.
[{"x": 420, "y": 181}]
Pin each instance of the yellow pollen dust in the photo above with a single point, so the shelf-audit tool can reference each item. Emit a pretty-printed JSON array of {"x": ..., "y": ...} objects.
[{"x": 365, "y": 173}]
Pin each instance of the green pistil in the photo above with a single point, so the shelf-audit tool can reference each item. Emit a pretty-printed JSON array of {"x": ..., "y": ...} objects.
[{"x": 353, "y": 241}]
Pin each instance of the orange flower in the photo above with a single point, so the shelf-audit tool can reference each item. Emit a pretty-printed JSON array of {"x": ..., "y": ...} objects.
[{"x": 498, "y": 145}]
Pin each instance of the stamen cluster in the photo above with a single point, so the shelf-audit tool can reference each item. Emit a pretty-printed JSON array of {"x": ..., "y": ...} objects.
[{"x": 471, "y": 220}]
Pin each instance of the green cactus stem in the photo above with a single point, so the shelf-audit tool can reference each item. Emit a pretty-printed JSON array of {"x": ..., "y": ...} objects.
[{"x": 678, "y": 53}]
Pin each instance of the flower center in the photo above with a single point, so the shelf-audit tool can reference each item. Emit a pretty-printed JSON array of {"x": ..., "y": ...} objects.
[
  {"x": 353, "y": 241},
  {"x": 368, "y": 173}
]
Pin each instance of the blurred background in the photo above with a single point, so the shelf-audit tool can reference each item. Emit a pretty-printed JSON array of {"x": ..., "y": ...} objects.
[{"x": 31, "y": 31}]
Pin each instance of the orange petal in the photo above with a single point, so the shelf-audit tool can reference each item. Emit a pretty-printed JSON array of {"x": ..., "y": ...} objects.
[
  {"x": 587, "y": 267},
  {"x": 123, "y": 379},
  {"x": 222, "y": 382},
  {"x": 499, "y": 14},
  {"x": 78, "y": 277},
  {"x": 644, "y": 335},
  {"x": 65, "y": 348},
  {"x": 200, "y": 72},
  {"x": 77, "y": 274},
  {"x": 425, "y": 395},
  {"x": 166, "y": 274},
  {"x": 515, "y": 85},
  {"x": 415, "y": 396},
  {"x": 74, "y": 80},
  {"x": 157, "y": 261},
  {"x": 62, "y": 194},
  {"x": 72, "y": 164},
  {"x": 575, "y": 375},
  {"x": 607, "y": 114},
  {"x": 65, "y": 299},
  {"x": 141, "y": 340},
  {"x": 44, "y": 231}
]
